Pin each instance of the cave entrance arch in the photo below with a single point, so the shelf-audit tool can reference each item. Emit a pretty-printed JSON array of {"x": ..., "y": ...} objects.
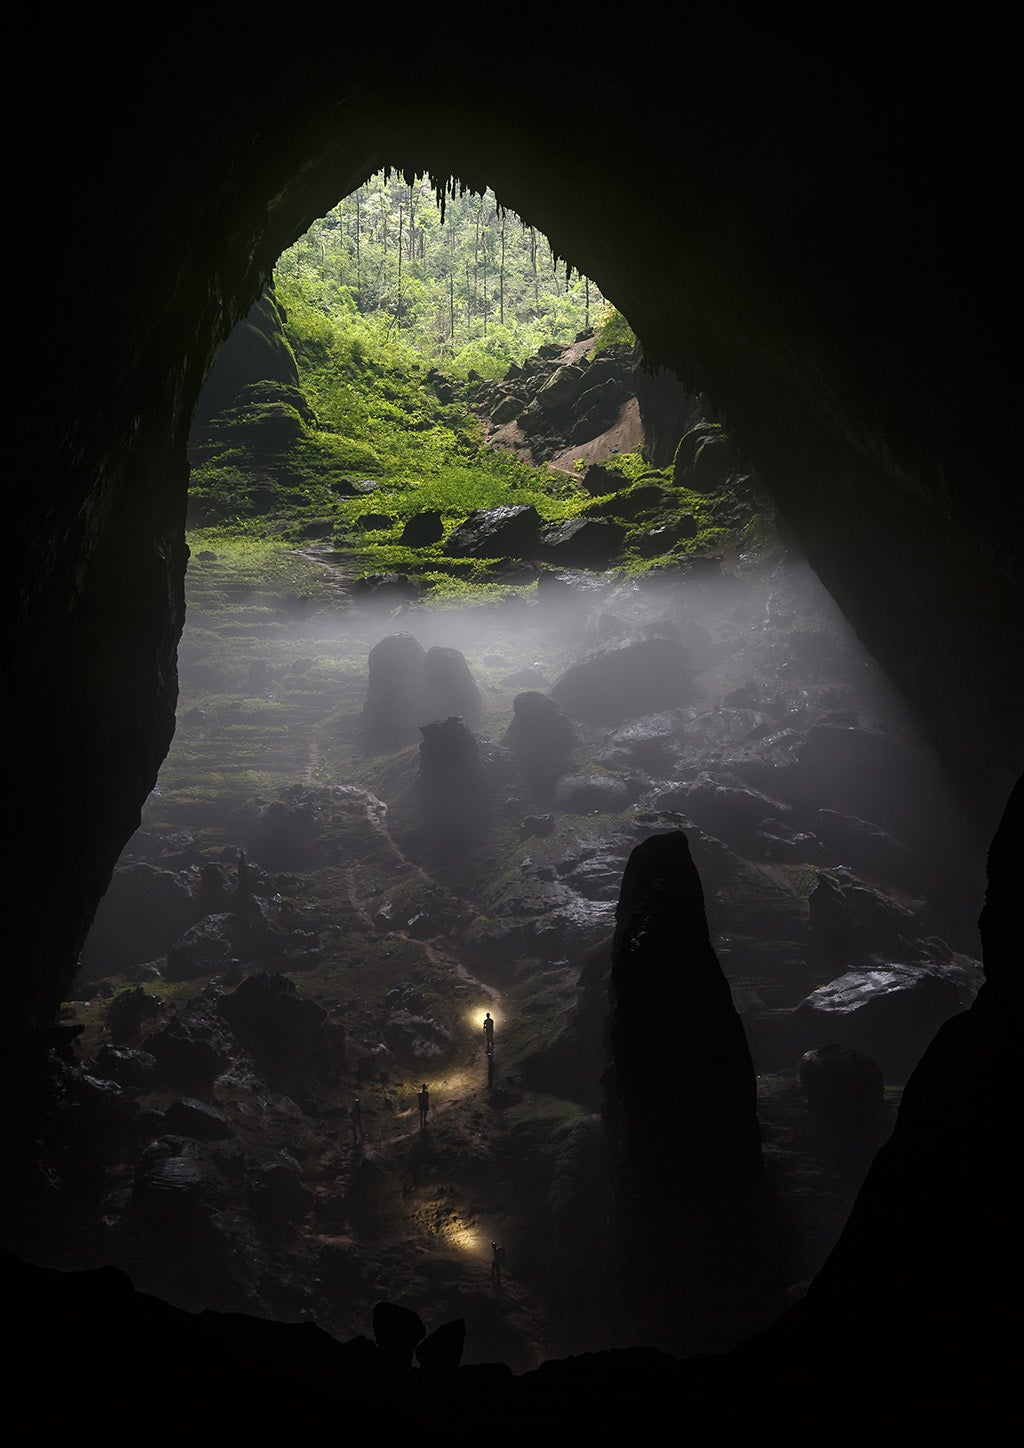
[
  {"x": 237, "y": 163},
  {"x": 754, "y": 317}
]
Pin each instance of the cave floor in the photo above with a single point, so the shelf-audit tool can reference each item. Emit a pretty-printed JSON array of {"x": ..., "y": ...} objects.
[{"x": 288, "y": 1210}]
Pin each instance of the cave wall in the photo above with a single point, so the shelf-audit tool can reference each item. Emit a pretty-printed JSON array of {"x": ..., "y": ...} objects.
[{"x": 803, "y": 220}]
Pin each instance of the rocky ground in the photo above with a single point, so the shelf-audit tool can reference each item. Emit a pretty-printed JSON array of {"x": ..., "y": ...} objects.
[{"x": 325, "y": 897}]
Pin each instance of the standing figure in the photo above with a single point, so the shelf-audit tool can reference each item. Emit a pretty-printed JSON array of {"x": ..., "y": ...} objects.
[
  {"x": 356, "y": 1118},
  {"x": 424, "y": 1103},
  {"x": 488, "y": 1033}
]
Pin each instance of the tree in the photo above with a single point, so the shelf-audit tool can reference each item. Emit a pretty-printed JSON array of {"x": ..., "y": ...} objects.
[{"x": 446, "y": 283}]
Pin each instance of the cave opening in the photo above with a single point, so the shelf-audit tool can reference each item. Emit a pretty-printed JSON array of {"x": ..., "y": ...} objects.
[
  {"x": 849, "y": 308},
  {"x": 796, "y": 903}
]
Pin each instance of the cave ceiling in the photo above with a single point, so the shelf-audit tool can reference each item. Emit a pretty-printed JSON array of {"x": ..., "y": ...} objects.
[{"x": 804, "y": 222}]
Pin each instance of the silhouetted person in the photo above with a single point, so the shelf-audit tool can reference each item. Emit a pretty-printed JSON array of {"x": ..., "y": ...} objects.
[
  {"x": 488, "y": 1033},
  {"x": 424, "y": 1103},
  {"x": 356, "y": 1118},
  {"x": 497, "y": 1262}
]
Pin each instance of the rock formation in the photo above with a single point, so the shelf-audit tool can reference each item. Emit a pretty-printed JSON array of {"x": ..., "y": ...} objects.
[
  {"x": 689, "y": 1200},
  {"x": 449, "y": 687},
  {"x": 543, "y": 739},
  {"x": 393, "y": 711},
  {"x": 451, "y": 784},
  {"x": 626, "y": 680}
]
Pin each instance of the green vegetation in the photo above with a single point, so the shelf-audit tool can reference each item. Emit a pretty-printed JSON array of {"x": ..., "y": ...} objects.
[
  {"x": 386, "y": 310},
  {"x": 472, "y": 289}
]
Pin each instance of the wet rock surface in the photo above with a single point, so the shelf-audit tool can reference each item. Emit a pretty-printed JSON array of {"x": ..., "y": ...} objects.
[
  {"x": 509, "y": 531},
  {"x": 626, "y": 680},
  {"x": 348, "y": 936}
]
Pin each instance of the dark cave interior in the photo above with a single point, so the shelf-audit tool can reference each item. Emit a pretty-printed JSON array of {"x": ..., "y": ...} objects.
[{"x": 832, "y": 201}]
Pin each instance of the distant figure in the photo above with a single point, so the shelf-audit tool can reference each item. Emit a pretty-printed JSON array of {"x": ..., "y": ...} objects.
[
  {"x": 356, "y": 1118},
  {"x": 488, "y": 1033},
  {"x": 424, "y": 1103},
  {"x": 497, "y": 1262}
]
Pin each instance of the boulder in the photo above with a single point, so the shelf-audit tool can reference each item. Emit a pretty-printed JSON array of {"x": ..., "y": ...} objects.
[
  {"x": 451, "y": 784},
  {"x": 648, "y": 744},
  {"x": 599, "y": 479},
  {"x": 191, "y": 1050},
  {"x": 626, "y": 680},
  {"x": 543, "y": 740},
  {"x": 867, "y": 847},
  {"x": 868, "y": 774},
  {"x": 197, "y": 1120},
  {"x": 284, "y": 835},
  {"x": 538, "y": 917},
  {"x": 276, "y": 1025},
  {"x": 393, "y": 711},
  {"x": 890, "y": 1010},
  {"x": 204, "y": 948},
  {"x": 850, "y": 920},
  {"x": 449, "y": 687},
  {"x": 562, "y": 388},
  {"x": 353, "y": 488},
  {"x": 595, "y": 410},
  {"x": 723, "y": 805},
  {"x": 418, "y": 1039},
  {"x": 129, "y": 1011},
  {"x": 388, "y": 589},
  {"x": 508, "y": 531},
  {"x": 422, "y": 530},
  {"x": 583, "y": 542},
  {"x": 278, "y": 1197},
  {"x": 506, "y": 410},
  {"x": 128, "y": 1066},
  {"x": 705, "y": 458},
  {"x": 591, "y": 794},
  {"x": 174, "y": 1176},
  {"x": 642, "y": 499}
]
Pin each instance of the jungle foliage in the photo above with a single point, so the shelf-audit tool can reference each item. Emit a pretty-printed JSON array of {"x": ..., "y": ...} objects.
[
  {"x": 393, "y": 317},
  {"x": 472, "y": 290}
]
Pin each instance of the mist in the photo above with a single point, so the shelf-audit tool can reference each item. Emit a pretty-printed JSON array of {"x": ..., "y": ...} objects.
[{"x": 431, "y": 844}]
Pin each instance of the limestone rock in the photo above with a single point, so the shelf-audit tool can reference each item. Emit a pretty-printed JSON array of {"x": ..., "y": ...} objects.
[
  {"x": 449, "y": 687},
  {"x": 543, "y": 739},
  {"x": 393, "y": 711},
  {"x": 627, "y": 680},
  {"x": 591, "y": 793},
  {"x": 422, "y": 530},
  {"x": 508, "y": 531},
  {"x": 889, "y": 1011},
  {"x": 583, "y": 542}
]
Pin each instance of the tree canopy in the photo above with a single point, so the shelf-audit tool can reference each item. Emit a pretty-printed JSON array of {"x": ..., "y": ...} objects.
[{"x": 474, "y": 289}]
